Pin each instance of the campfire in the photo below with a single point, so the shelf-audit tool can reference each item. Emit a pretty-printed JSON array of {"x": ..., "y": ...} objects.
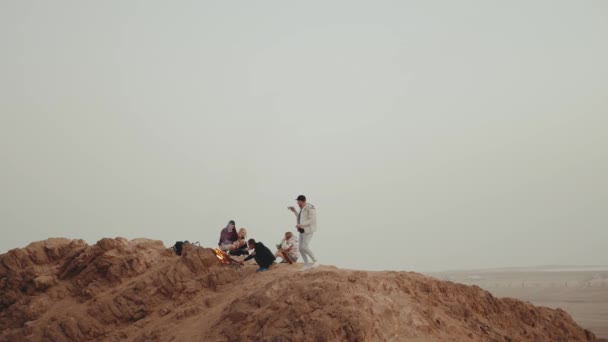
[{"x": 223, "y": 257}]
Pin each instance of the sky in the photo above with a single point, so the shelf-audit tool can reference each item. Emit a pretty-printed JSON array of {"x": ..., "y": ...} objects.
[{"x": 430, "y": 135}]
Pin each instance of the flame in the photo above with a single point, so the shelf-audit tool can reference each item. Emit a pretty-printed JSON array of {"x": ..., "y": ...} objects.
[{"x": 222, "y": 256}]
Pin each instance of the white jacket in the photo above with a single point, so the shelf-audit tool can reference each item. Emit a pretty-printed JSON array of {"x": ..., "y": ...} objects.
[
  {"x": 291, "y": 246},
  {"x": 308, "y": 218}
]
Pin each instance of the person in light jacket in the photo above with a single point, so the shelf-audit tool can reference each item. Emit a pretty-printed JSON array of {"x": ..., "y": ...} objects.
[
  {"x": 288, "y": 249},
  {"x": 307, "y": 226}
]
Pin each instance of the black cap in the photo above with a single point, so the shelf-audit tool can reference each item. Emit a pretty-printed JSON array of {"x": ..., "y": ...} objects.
[
  {"x": 231, "y": 222},
  {"x": 301, "y": 198}
]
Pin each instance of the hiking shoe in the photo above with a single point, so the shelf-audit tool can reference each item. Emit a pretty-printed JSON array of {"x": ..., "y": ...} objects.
[
  {"x": 306, "y": 267},
  {"x": 315, "y": 265},
  {"x": 261, "y": 269}
]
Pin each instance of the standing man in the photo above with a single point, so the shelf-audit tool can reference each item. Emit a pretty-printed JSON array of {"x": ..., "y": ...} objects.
[{"x": 307, "y": 225}]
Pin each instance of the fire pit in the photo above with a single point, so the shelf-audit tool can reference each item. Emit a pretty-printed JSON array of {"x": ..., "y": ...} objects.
[{"x": 223, "y": 257}]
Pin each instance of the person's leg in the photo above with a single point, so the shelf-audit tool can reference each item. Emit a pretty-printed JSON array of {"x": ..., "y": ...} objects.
[
  {"x": 264, "y": 267},
  {"x": 236, "y": 245},
  {"x": 302, "y": 251},
  {"x": 239, "y": 252},
  {"x": 305, "y": 249},
  {"x": 279, "y": 254},
  {"x": 286, "y": 257}
]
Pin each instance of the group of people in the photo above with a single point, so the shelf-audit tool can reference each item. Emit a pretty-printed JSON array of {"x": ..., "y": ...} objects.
[
  {"x": 289, "y": 250},
  {"x": 233, "y": 242}
]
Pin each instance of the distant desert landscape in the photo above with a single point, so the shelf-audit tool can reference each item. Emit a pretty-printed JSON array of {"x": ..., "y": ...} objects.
[{"x": 582, "y": 291}]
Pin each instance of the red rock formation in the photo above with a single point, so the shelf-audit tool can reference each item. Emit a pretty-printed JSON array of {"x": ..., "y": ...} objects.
[{"x": 66, "y": 290}]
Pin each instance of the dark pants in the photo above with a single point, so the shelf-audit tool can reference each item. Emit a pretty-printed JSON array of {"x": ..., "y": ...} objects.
[{"x": 240, "y": 251}]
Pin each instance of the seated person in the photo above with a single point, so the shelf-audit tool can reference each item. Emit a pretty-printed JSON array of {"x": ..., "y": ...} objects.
[
  {"x": 288, "y": 248},
  {"x": 239, "y": 247},
  {"x": 262, "y": 255},
  {"x": 228, "y": 236}
]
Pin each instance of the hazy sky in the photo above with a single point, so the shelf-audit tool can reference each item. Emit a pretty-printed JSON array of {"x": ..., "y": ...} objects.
[{"x": 430, "y": 135}]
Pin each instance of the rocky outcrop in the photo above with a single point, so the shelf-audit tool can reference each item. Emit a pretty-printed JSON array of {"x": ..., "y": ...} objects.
[{"x": 66, "y": 290}]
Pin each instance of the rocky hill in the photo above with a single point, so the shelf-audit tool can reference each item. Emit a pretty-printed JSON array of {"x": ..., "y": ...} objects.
[{"x": 138, "y": 290}]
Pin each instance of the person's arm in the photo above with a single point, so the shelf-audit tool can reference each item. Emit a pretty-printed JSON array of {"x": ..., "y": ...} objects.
[
  {"x": 221, "y": 237},
  {"x": 293, "y": 210},
  {"x": 286, "y": 246},
  {"x": 249, "y": 257}
]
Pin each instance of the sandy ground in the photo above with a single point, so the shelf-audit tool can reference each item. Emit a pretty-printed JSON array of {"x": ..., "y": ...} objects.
[{"x": 581, "y": 291}]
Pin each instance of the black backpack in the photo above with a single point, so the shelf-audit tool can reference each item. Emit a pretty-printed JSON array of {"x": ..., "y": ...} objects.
[{"x": 177, "y": 248}]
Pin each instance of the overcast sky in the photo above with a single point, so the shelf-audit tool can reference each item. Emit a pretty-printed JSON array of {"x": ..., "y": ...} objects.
[{"x": 430, "y": 135}]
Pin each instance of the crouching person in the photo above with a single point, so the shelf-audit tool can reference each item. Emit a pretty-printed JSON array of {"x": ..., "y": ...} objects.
[
  {"x": 262, "y": 255},
  {"x": 288, "y": 249}
]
